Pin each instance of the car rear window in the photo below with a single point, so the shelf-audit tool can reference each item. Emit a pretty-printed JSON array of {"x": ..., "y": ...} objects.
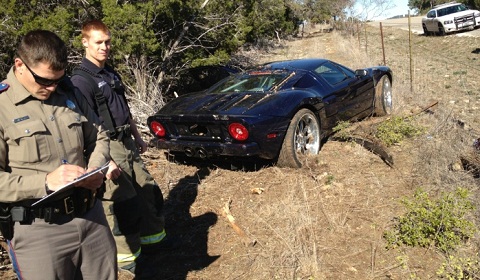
[{"x": 256, "y": 81}]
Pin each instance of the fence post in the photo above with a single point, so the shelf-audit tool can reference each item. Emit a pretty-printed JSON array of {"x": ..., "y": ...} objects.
[
  {"x": 358, "y": 36},
  {"x": 366, "y": 38},
  {"x": 383, "y": 45},
  {"x": 410, "y": 51}
]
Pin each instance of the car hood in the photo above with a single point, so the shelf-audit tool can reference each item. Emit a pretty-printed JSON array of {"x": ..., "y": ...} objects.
[{"x": 235, "y": 103}]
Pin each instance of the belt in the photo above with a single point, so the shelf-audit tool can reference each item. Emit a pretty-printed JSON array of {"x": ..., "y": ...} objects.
[
  {"x": 63, "y": 207},
  {"x": 69, "y": 207}
]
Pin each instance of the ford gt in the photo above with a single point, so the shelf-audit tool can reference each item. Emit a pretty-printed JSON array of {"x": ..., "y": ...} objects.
[{"x": 279, "y": 111}]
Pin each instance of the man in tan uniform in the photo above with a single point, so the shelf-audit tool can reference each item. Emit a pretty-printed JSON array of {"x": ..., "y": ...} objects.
[{"x": 49, "y": 137}]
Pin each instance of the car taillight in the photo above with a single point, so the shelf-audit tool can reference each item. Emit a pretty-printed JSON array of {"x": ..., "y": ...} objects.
[
  {"x": 157, "y": 129},
  {"x": 238, "y": 131}
]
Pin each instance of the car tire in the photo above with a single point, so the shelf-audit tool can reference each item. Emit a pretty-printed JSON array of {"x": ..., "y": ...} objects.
[
  {"x": 383, "y": 97},
  {"x": 441, "y": 30},
  {"x": 302, "y": 139},
  {"x": 425, "y": 30}
]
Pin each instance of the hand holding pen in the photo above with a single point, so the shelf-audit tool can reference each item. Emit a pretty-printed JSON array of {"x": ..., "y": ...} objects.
[{"x": 67, "y": 173}]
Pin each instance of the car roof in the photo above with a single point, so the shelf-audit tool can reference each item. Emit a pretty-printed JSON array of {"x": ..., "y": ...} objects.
[
  {"x": 305, "y": 63},
  {"x": 446, "y": 5}
]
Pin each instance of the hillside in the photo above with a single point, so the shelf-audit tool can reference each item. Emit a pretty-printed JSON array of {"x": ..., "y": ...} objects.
[{"x": 326, "y": 221}]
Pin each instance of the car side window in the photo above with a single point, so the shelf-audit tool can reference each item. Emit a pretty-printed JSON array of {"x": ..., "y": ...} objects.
[
  {"x": 443, "y": 12},
  {"x": 431, "y": 14},
  {"x": 307, "y": 81},
  {"x": 330, "y": 73},
  {"x": 348, "y": 72}
]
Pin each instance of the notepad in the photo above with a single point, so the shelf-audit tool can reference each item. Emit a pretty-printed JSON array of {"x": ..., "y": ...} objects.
[{"x": 57, "y": 194}]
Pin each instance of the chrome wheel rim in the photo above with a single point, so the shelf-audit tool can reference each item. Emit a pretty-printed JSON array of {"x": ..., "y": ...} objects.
[
  {"x": 307, "y": 136},
  {"x": 387, "y": 96}
]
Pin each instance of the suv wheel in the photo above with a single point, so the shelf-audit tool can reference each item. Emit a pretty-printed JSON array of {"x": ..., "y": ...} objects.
[
  {"x": 425, "y": 30},
  {"x": 441, "y": 30}
]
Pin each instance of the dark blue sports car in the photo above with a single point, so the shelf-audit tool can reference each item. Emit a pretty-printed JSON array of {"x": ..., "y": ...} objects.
[{"x": 278, "y": 111}]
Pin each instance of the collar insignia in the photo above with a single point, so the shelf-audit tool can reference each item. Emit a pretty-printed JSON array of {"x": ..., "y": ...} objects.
[
  {"x": 70, "y": 104},
  {"x": 3, "y": 87}
]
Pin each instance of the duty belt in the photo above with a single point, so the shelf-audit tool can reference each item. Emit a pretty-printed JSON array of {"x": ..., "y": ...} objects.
[
  {"x": 121, "y": 132},
  {"x": 63, "y": 207},
  {"x": 71, "y": 206}
]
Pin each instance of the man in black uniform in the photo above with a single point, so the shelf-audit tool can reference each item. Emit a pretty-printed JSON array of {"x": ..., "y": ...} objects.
[
  {"x": 137, "y": 199},
  {"x": 49, "y": 136}
]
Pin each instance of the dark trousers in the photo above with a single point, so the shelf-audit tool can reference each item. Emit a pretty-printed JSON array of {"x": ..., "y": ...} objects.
[{"x": 135, "y": 181}]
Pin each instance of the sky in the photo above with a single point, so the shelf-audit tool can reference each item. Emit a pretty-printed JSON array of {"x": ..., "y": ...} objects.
[
  {"x": 398, "y": 7},
  {"x": 401, "y": 8}
]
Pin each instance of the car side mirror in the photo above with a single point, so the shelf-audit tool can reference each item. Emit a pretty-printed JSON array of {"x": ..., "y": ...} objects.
[{"x": 361, "y": 73}]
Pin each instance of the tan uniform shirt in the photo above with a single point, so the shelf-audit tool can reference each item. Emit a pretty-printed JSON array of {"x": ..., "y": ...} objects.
[{"x": 37, "y": 136}]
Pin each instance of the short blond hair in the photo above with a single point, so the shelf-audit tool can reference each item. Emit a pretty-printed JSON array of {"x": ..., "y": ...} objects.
[{"x": 94, "y": 24}]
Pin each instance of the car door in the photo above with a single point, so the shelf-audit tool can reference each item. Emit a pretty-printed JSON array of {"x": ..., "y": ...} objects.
[
  {"x": 431, "y": 22},
  {"x": 350, "y": 95},
  {"x": 362, "y": 91}
]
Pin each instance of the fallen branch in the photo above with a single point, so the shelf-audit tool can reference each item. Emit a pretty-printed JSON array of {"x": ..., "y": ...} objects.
[
  {"x": 371, "y": 145},
  {"x": 362, "y": 133},
  {"x": 425, "y": 109},
  {"x": 227, "y": 214}
]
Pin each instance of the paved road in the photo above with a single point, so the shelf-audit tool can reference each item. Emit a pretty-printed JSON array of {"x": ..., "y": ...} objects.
[{"x": 416, "y": 26}]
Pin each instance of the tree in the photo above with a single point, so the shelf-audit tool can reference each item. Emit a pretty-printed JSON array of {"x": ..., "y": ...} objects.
[
  {"x": 369, "y": 9},
  {"x": 155, "y": 40}
]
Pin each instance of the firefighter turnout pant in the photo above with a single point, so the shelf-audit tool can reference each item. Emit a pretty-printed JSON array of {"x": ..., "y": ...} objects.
[{"x": 133, "y": 203}]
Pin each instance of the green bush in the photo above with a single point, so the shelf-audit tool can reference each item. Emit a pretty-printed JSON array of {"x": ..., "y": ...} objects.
[
  {"x": 341, "y": 130},
  {"x": 427, "y": 222},
  {"x": 396, "y": 129},
  {"x": 460, "y": 268}
]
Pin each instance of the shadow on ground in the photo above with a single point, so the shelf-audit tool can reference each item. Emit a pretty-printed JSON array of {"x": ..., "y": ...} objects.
[
  {"x": 191, "y": 232},
  {"x": 247, "y": 164}
]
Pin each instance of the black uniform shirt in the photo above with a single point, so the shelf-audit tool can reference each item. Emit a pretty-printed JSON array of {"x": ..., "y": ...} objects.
[{"x": 110, "y": 84}]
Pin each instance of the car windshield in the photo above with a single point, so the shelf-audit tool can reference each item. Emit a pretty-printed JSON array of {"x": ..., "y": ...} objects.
[
  {"x": 254, "y": 81},
  {"x": 451, "y": 10}
]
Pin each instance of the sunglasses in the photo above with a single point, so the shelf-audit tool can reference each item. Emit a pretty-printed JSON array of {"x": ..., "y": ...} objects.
[{"x": 44, "y": 81}]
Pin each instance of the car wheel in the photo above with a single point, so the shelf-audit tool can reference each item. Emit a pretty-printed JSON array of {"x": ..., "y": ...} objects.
[
  {"x": 425, "y": 30},
  {"x": 441, "y": 30},
  {"x": 383, "y": 97},
  {"x": 301, "y": 140}
]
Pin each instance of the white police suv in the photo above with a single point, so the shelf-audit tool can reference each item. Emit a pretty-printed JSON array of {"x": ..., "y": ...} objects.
[{"x": 450, "y": 17}]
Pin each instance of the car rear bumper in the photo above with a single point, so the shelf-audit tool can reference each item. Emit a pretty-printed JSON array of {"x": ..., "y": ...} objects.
[{"x": 208, "y": 149}]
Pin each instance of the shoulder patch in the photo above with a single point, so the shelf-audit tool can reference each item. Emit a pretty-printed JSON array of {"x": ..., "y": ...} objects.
[{"x": 3, "y": 87}]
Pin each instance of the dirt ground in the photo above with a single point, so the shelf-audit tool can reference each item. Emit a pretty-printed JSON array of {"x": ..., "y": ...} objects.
[{"x": 326, "y": 221}]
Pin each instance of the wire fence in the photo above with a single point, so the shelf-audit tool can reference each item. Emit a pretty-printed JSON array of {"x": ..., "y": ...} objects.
[{"x": 429, "y": 68}]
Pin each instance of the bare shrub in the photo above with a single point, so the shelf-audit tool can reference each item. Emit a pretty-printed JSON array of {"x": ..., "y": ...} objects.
[
  {"x": 144, "y": 93},
  {"x": 441, "y": 149}
]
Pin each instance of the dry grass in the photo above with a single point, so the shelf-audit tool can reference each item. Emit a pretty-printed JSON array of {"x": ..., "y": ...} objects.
[{"x": 326, "y": 221}]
